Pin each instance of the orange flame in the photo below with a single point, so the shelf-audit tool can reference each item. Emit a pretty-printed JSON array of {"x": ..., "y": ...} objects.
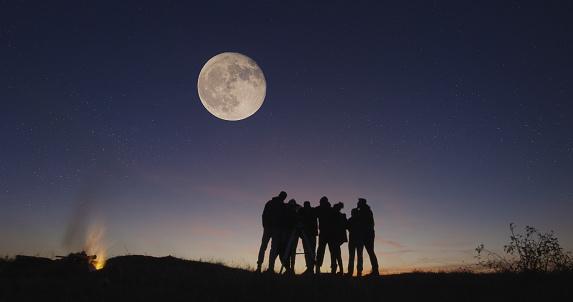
[{"x": 94, "y": 246}]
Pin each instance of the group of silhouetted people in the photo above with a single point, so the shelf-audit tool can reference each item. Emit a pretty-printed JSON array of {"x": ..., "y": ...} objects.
[{"x": 284, "y": 223}]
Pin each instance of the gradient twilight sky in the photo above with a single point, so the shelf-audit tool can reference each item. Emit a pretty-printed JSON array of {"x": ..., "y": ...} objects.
[{"x": 453, "y": 118}]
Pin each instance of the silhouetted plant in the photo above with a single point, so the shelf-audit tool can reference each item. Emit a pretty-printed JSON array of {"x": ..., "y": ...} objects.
[{"x": 530, "y": 252}]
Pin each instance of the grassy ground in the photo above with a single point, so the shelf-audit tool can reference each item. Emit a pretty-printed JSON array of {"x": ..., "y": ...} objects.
[{"x": 142, "y": 278}]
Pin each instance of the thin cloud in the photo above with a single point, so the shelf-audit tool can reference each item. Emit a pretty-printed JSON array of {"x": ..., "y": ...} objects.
[{"x": 390, "y": 243}]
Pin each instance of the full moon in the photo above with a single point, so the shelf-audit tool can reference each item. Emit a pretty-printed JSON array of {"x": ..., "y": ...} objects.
[{"x": 231, "y": 86}]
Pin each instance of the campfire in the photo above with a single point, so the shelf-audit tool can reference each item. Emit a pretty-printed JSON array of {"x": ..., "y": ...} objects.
[
  {"x": 85, "y": 232},
  {"x": 93, "y": 255},
  {"x": 94, "y": 246}
]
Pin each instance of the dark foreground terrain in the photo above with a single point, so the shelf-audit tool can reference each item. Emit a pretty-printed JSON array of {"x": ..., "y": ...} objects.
[{"x": 142, "y": 278}]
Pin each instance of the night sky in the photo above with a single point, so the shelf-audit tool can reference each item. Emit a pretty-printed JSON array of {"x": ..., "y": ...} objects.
[{"x": 452, "y": 118}]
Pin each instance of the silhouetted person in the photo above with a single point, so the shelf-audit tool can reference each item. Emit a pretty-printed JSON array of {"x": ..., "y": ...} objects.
[
  {"x": 324, "y": 213},
  {"x": 338, "y": 237},
  {"x": 309, "y": 218},
  {"x": 275, "y": 220},
  {"x": 366, "y": 219},
  {"x": 355, "y": 242},
  {"x": 268, "y": 227},
  {"x": 296, "y": 227},
  {"x": 291, "y": 235}
]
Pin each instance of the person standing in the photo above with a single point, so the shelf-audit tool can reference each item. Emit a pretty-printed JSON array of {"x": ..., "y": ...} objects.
[
  {"x": 366, "y": 218},
  {"x": 338, "y": 238},
  {"x": 291, "y": 232},
  {"x": 310, "y": 228},
  {"x": 279, "y": 235},
  {"x": 297, "y": 230},
  {"x": 271, "y": 220},
  {"x": 355, "y": 243},
  {"x": 324, "y": 213},
  {"x": 268, "y": 227}
]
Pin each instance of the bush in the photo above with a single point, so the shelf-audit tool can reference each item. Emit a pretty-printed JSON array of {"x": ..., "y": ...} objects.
[{"x": 530, "y": 252}]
